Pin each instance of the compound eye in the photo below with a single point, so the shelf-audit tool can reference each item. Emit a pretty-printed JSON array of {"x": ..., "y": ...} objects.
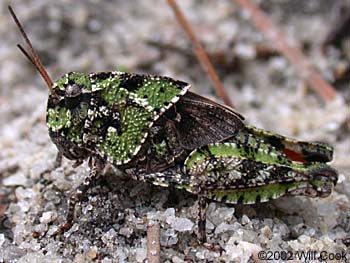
[{"x": 73, "y": 96}]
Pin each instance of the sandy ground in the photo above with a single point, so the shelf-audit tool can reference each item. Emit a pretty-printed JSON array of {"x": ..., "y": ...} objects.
[{"x": 143, "y": 36}]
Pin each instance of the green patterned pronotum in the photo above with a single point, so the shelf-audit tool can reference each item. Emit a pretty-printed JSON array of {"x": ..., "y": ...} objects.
[
  {"x": 113, "y": 111},
  {"x": 155, "y": 130}
]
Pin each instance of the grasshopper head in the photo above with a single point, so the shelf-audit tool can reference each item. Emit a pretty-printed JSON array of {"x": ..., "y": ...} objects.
[
  {"x": 67, "y": 110},
  {"x": 67, "y": 104}
]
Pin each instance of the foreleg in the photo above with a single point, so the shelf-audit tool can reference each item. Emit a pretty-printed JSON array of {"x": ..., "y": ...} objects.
[
  {"x": 201, "y": 219},
  {"x": 96, "y": 168}
]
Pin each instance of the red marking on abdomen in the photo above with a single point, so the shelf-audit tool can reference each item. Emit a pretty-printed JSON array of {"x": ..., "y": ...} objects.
[{"x": 294, "y": 156}]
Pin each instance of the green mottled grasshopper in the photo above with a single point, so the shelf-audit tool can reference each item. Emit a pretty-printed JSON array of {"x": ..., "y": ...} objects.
[{"x": 155, "y": 130}]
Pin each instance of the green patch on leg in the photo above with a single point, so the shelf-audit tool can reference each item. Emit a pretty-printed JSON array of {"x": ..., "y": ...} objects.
[
  {"x": 255, "y": 194},
  {"x": 264, "y": 154},
  {"x": 301, "y": 150}
]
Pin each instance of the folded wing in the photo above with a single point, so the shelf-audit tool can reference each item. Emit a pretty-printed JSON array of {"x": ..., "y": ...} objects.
[{"x": 204, "y": 121}]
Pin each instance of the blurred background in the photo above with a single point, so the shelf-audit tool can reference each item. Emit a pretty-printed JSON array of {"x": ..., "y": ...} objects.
[{"x": 144, "y": 37}]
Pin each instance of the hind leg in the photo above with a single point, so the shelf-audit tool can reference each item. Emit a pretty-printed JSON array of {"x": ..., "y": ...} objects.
[{"x": 295, "y": 150}]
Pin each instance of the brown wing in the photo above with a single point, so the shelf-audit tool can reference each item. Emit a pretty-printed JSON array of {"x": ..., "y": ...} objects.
[{"x": 204, "y": 121}]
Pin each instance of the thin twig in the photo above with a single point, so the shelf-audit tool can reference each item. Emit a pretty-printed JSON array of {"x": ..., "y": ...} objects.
[
  {"x": 200, "y": 53},
  {"x": 294, "y": 55},
  {"x": 226, "y": 60},
  {"x": 153, "y": 242}
]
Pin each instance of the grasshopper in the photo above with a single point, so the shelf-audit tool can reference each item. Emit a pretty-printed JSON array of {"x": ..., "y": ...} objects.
[{"x": 154, "y": 129}]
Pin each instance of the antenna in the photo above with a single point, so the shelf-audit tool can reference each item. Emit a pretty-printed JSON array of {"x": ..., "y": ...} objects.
[{"x": 32, "y": 56}]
